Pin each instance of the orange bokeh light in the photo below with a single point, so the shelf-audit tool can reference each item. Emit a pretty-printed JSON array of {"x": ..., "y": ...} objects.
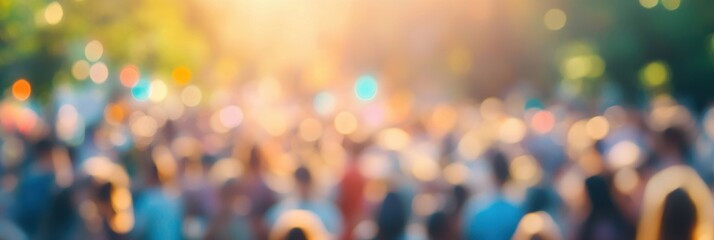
[
  {"x": 181, "y": 75},
  {"x": 21, "y": 89}
]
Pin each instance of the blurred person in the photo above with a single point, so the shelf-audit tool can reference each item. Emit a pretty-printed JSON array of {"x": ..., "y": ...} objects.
[
  {"x": 63, "y": 220},
  {"x": 672, "y": 147},
  {"x": 296, "y": 234},
  {"x": 35, "y": 187},
  {"x": 679, "y": 216},
  {"x": 230, "y": 223},
  {"x": 677, "y": 205},
  {"x": 446, "y": 224},
  {"x": 8, "y": 229},
  {"x": 103, "y": 199},
  {"x": 540, "y": 206},
  {"x": 392, "y": 218},
  {"x": 498, "y": 217},
  {"x": 305, "y": 199},
  {"x": 605, "y": 220},
  {"x": 437, "y": 226},
  {"x": 261, "y": 197},
  {"x": 158, "y": 212},
  {"x": 350, "y": 198},
  {"x": 543, "y": 198}
]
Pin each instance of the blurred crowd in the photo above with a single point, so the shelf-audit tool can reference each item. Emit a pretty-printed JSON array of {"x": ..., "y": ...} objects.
[{"x": 509, "y": 168}]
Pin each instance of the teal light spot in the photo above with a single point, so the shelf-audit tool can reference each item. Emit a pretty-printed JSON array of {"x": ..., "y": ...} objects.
[
  {"x": 141, "y": 91},
  {"x": 534, "y": 103},
  {"x": 366, "y": 87}
]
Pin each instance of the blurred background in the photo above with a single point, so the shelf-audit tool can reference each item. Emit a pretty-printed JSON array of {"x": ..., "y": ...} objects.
[{"x": 421, "y": 119}]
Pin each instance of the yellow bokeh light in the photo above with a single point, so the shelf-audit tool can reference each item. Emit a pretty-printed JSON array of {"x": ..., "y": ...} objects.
[
  {"x": 424, "y": 168},
  {"x": 513, "y": 130},
  {"x": 393, "y": 139},
  {"x": 144, "y": 126},
  {"x": 345, "y": 123},
  {"x": 98, "y": 72},
  {"x": 80, "y": 70},
  {"x": 525, "y": 168},
  {"x": 471, "y": 146},
  {"x": 624, "y": 154},
  {"x": 532, "y": 223},
  {"x": 181, "y": 75},
  {"x": 597, "y": 127},
  {"x": 581, "y": 66},
  {"x": 626, "y": 180},
  {"x": 491, "y": 108},
  {"x": 655, "y": 74},
  {"x": 122, "y": 222},
  {"x": 274, "y": 122},
  {"x": 456, "y": 173},
  {"x": 191, "y": 96},
  {"x": 578, "y": 137},
  {"x": 121, "y": 198},
  {"x": 425, "y": 204},
  {"x": 224, "y": 170},
  {"x": 310, "y": 129},
  {"x": 93, "y": 51},
  {"x": 53, "y": 13},
  {"x": 555, "y": 19},
  {"x": 442, "y": 120},
  {"x": 671, "y": 4},
  {"x": 21, "y": 89},
  {"x": 648, "y": 3},
  {"x": 158, "y": 91}
]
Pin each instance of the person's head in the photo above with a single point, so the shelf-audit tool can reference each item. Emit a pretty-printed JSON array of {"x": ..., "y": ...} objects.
[
  {"x": 437, "y": 226},
  {"x": 674, "y": 141},
  {"x": 679, "y": 216},
  {"x": 459, "y": 195},
  {"x": 43, "y": 148},
  {"x": 500, "y": 170},
  {"x": 152, "y": 174},
  {"x": 391, "y": 217},
  {"x": 255, "y": 161},
  {"x": 599, "y": 194},
  {"x": 296, "y": 233},
  {"x": 303, "y": 181}
]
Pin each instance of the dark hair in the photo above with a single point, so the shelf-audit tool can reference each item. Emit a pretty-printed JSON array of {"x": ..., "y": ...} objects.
[
  {"x": 598, "y": 190},
  {"x": 391, "y": 217},
  {"x": 499, "y": 165},
  {"x": 461, "y": 195},
  {"x": 437, "y": 225},
  {"x": 255, "y": 159},
  {"x": 302, "y": 175},
  {"x": 296, "y": 233},
  {"x": 677, "y": 137},
  {"x": 104, "y": 193},
  {"x": 679, "y": 216},
  {"x": 44, "y": 147}
]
